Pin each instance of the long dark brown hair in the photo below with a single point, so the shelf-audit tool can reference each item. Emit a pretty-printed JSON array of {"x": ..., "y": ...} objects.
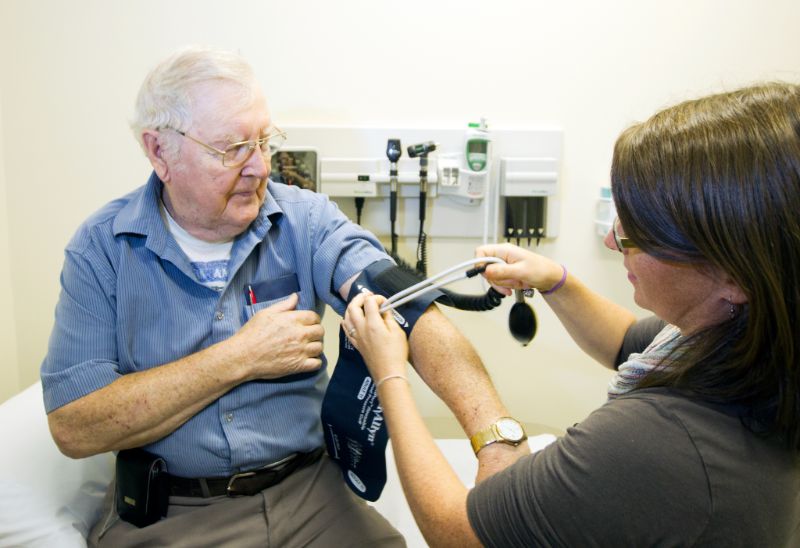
[{"x": 715, "y": 182}]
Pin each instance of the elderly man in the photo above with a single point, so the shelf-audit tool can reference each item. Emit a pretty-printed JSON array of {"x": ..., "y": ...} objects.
[{"x": 189, "y": 325}]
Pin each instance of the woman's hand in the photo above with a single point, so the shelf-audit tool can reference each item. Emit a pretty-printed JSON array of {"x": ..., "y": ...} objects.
[
  {"x": 378, "y": 338},
  {"x": 523, "y": 269}
]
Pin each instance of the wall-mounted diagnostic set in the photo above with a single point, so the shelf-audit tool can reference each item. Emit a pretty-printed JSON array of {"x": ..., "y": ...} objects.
[{"x": 476, "y": 181}]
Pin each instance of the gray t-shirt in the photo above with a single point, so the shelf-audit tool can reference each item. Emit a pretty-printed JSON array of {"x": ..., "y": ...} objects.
[{"x": 651, "y": 468}]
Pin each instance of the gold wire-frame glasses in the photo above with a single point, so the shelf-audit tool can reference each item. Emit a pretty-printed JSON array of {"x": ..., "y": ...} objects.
[{"x": 236, "y": 154}]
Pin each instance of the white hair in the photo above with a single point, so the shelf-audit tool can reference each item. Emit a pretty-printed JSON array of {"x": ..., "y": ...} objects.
[{"x": 165, "y": 99}]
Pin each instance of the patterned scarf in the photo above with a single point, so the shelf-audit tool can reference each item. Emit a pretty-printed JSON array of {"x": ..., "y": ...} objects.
[{"x": 640, "y": 364}]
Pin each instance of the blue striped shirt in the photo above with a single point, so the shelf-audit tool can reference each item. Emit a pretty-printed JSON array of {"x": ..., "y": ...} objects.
[{"x": 130, "y": 300}]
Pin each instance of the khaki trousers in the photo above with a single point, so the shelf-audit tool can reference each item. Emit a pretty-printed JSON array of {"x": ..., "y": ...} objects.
[{"x": 312, "y": 507}]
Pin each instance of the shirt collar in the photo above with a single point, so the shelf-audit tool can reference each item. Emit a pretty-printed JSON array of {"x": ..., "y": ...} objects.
[{"x": 141, "y": 216}]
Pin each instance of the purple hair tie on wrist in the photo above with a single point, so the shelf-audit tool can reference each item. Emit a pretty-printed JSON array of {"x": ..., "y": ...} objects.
[{"x": 559, "y": 284}]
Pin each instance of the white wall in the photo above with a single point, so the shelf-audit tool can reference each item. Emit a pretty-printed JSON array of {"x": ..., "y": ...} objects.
[
  {"x": 70, "y": 71},
  {"x": 9, "y": 365}
]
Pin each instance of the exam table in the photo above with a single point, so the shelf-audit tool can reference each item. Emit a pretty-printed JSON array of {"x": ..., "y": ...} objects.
[{"x": 47, "y": 499}]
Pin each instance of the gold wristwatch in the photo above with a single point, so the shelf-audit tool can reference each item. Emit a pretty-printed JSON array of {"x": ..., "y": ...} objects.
[{"x": 503, "y": 430}]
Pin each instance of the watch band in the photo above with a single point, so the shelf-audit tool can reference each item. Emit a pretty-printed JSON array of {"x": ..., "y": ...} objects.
[
  {"x": 504, "y": 430},
  {"x": 483, "y": 438}
]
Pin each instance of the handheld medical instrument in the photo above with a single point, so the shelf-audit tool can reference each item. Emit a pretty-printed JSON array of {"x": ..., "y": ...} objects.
[
  {"x": 393, "y": 152},
  {"x": 437, "y": 281},
  {"x": 522, "y": 319},
  {"x": 397, "y": 277},
  {"x": 421, "y": 151}
]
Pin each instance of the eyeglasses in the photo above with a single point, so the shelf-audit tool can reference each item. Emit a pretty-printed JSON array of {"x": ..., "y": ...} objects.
[
  {"x": 621, "y": 241},
  {"x": 236, "y": 154}
]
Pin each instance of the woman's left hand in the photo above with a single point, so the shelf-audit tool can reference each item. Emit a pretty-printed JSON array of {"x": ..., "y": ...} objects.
[{"x": 378, "y": 338}]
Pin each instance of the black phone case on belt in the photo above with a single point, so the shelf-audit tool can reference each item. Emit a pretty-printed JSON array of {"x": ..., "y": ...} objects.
[{"x": 142, "y": 491}]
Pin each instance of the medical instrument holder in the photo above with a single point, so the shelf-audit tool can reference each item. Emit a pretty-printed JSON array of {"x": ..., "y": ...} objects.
[{"x": 393, "y": 153}]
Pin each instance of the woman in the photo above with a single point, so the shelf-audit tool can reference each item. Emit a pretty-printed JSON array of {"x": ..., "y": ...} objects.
[{"x": 698, "y": 443}]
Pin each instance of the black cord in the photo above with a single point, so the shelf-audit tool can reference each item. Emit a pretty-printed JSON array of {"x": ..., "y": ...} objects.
[
  {"x": 359, "y": 207},
  {"x": 393, "y": 218},
  {"x": 474, "y": 303},
  {"x": 422, "y": 253}
]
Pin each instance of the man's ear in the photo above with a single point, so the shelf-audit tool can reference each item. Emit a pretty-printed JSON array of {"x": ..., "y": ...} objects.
[{"x": 153, "y": 147}]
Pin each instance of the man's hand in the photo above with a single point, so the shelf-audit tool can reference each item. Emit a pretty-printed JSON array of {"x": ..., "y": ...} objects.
[
  {"x": 280, "y": 341},
  {"x": 139, "y": 408}
]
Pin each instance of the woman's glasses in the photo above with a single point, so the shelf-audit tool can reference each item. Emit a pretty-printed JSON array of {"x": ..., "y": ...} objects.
[{"x": 619, "y": 238}]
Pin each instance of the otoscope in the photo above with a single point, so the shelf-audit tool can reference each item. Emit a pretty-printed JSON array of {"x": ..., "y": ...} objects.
[
  {"x": 421, "y": 150},
  {"x": 393, "y": 152}
]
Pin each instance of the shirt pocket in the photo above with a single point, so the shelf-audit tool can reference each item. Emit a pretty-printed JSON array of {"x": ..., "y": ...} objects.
[{"x": 262, "y": 294}]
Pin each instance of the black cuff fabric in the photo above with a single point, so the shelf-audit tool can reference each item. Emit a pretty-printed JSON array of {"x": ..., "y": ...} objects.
[{"x": 352, "y": 417}]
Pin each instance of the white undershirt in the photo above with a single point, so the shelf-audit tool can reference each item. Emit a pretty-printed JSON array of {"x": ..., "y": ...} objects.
[{"x": 209, "y": 260}]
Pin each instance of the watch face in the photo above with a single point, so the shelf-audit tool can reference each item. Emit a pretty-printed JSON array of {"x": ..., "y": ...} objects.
[{"x": 510, "y": 429}]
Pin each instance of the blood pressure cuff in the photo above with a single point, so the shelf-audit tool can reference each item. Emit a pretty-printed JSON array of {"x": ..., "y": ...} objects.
[{"x": 352, "y": 417}]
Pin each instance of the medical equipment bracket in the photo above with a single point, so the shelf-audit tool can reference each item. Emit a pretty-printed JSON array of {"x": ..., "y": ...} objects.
[{"x": 353, "y": 163}]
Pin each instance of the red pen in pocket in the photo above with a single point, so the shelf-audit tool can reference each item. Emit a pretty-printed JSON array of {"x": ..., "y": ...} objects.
[{"x": 252, "y": 295}]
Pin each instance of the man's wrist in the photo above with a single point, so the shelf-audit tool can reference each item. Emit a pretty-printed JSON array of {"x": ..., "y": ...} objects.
[
  {"x": 231, "y": 359},
  {"x": 505, "y": 430},
  {"x": 498, "y": 456},
  {"x": 502, "y": 451}
]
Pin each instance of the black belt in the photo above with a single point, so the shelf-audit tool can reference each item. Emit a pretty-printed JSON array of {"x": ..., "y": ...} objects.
[{"x": 243, "y": 483}]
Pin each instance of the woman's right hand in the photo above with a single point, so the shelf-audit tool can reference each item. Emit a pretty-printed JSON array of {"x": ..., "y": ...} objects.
[
  {"x": 378, "y": 338},
  {"x": 523, "y": 269}
]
